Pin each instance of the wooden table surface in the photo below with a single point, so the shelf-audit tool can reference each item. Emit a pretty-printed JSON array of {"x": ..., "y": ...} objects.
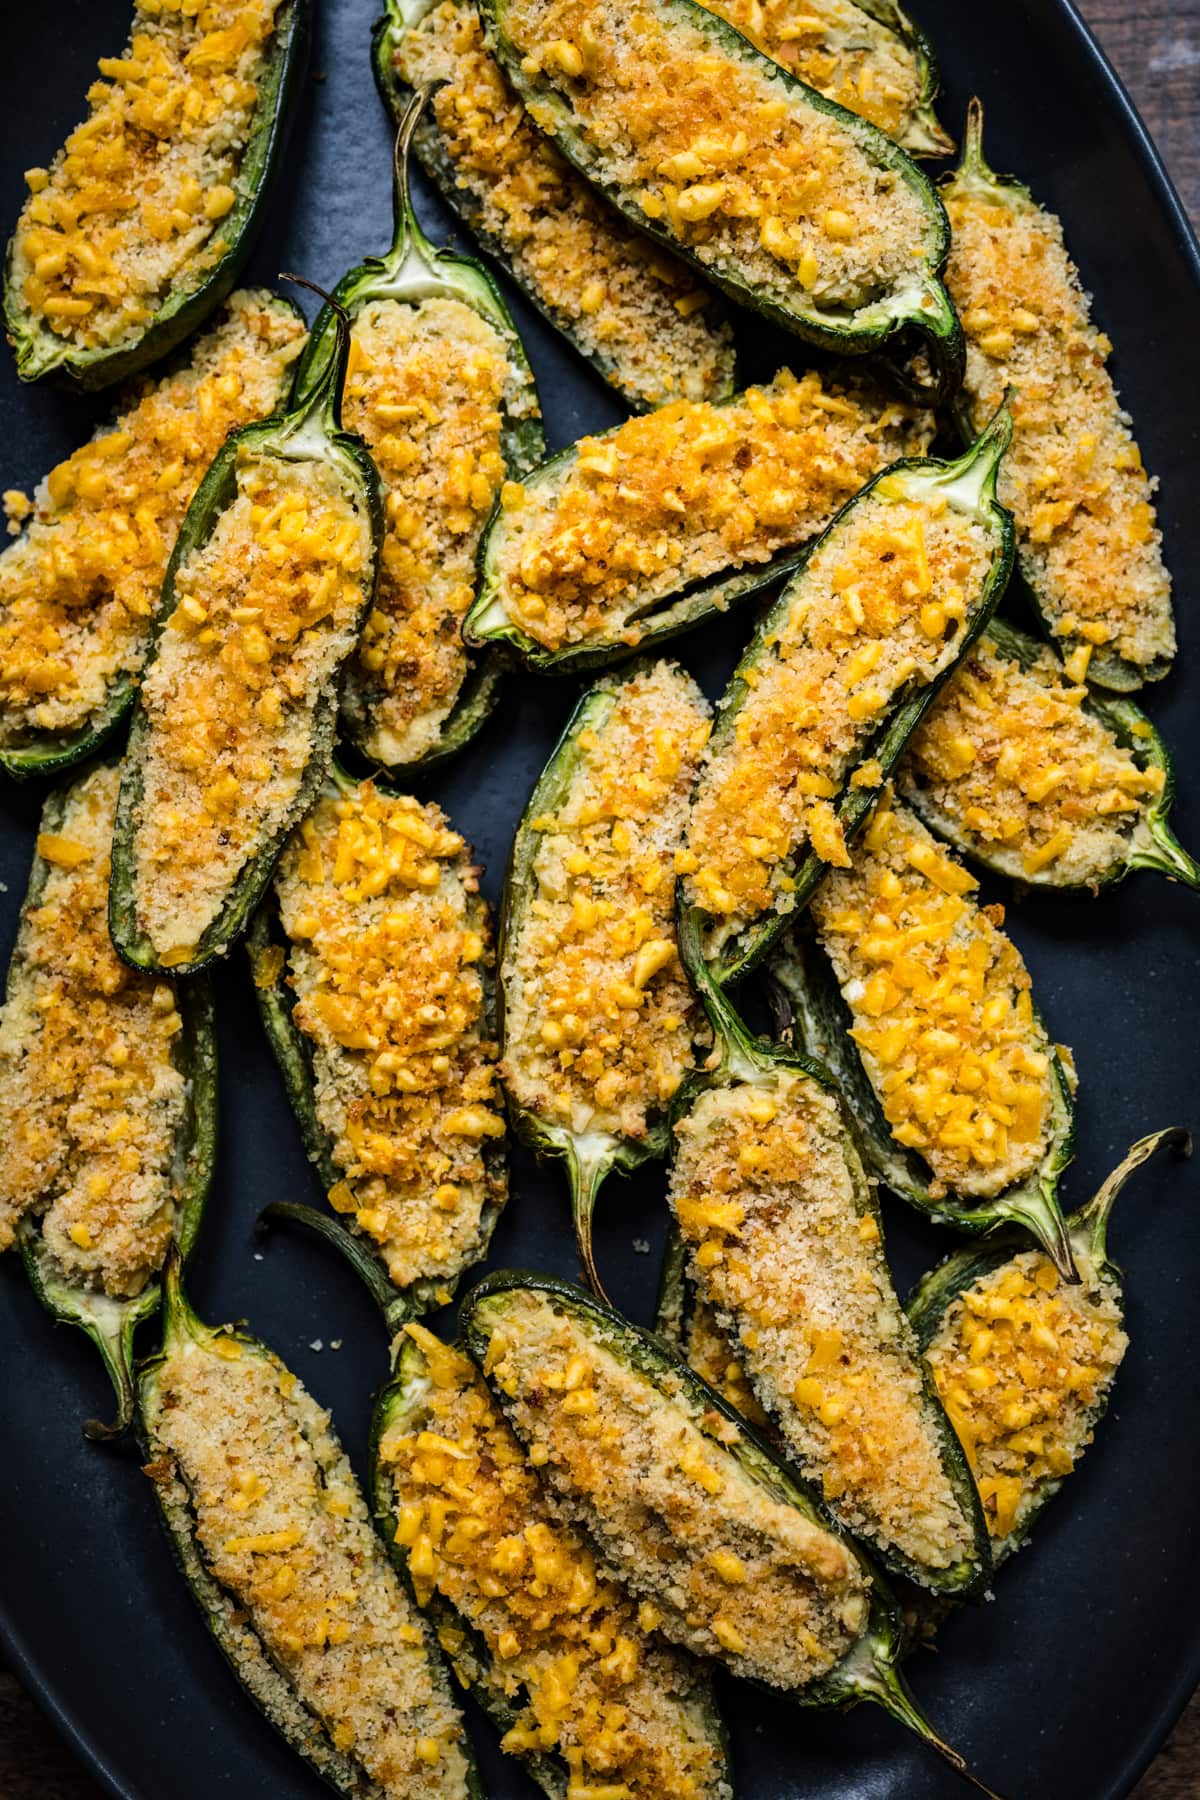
[{"x": 1155, "y": 45}]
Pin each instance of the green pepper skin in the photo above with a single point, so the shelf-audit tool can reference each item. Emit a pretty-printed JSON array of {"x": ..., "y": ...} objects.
[
  {"x": 294, "y": 1056},
  {"x": 247, "y": 1656},
  {"x": 971, "y": 481},
  {"x": 52, "y": 753},
  {"x": 925, "y": 307},
  {"x": 1152, "y": 843},
  {"x": 42, "y": 353},
  {"x": 311, "y": 429},
  {"x": 112, "y": 1323},
  {"x": 488, "y": 623},
  {"x": 400, "y": 17},
  {"x": 869, "y": 1670},
  {"x": 744, "y": 1060},
  {"x": 811, "y": 1010},
  {"x": 414, "y": 270},
  {"x": 937, "y": 1291},
  {"x": 1105, "y": 669}
]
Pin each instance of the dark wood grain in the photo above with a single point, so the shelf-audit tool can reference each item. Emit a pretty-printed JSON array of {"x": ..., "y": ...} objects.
[{"x": 1155, "y": 47}]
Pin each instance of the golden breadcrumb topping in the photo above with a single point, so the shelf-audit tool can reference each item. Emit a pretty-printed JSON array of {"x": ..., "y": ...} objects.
[
  {"x": 1012, "y": 763},
  {"x": 129, "y": 212},
  {"x": 878, "y": 609},
  {"x": 92, "y": 1098},
  {"x": 425, "y": 386},
  {"x": 265, "y": 611},
  {"x": 281, "y": 1524},
  {"x": 1073, "y": 476},
  {"x": 711, "y": 1353},
  {"x": 942, "y": 1012},
  {"x": 1024, "y": 1363},
  {"x": 622, "y": 300},
  {"x": 659, "y": 503},
  {"x": 838, "y": 48},
  {"x": 732, "y": 1570},
  {"x": 717, "y": 150},
  {"x": 599, "y": 1017},
  {"x": 389, "y": 949},
  {"x": 79, "y": 587},
  {"x": 785, "y": 1248},
  {"x": 566, "y": 1648}
]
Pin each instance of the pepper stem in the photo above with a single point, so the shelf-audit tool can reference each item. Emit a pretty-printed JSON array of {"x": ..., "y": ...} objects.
[
  {"x": 1037, "y": 1209},
  {"x": 587, "y": 1168},
  {"x": 112, "y": 1335},
  {"x": 1093, "y": 1216},
  {"x": 888, "y": 1689},
  {"x": 971, "y": 478},
  {"x": 324, "y": 401},
  {"x": 1167, "y": 854},
  {"x": 394, "y": 1306},
  {"x": 407, "y": 232},
  {"x": 972, "y": 163},
  {"x": 740, "y": 1055}
]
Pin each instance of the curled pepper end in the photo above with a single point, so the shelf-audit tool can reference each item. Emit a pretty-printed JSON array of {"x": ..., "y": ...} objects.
[
  {"x": 587, "y": 1167},
  {"x": 1093, "y": 1217},
  {"x": 887, "y": 1688},
  {"x": 1166, "y": 854}
]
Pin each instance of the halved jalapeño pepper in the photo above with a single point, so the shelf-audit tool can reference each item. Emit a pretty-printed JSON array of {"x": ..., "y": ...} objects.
[
  {"x": 684, "y": 1502},
  {"x": 372, "y": 964},
  {"x": 1039, "y": 777},
  {"x": 598, "y": 1020},
  {"x": 1087, "y": 542},
  {"x": 108, "y": 1090},
  {"x": 782, "y": 1239},
  {"x": 909, "y": 991},
  {"x": 641, "y": 317},
  {"x": 835, "y": 680},
  {"x": 274, "y": 1540},
  {"x": 139, "y": 227},
  {"x": 440, "y": 389},
  {"x": 564, "y": 1663},
  {"x": 797, "y": 208},
  {"x": 79, "y": 587},
  {"x": 271, "y": 577},
  {"x": 1024, "y": 1362},
  {"x": 636, "y": 534},
  {"x": 868, "y": 55}
]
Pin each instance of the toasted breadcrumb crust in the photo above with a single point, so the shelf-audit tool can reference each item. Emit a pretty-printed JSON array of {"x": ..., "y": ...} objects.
[
  {"x": 389, "y": 948},
  {"x": 659, "y": 503},
  {"x": 265, "y": 612},
  {"x": 785, "y": 1248},
  {"x": 621, "y": 298},
  {"x": 837, "y": 48},
  {"x": 732, "y": 1571},
  {"x": 91, "y": 1095},
  {"x": 282, "y": 1526},
  {"x": 941, "y": 1007},
  {"x": 600, "y": 1021},
  {"x": 1024, "y": 1363},
  {"x": 129, "y": 211},
  {"x": 711, "y": 1353},
  {"x": 717, "y": 149},
  {"x": 878, "y": 608},
  {"x": 1011, "y": 763},
  {"x": 424, "y": 388},
  {"x": 1073, "y": 476},
  {"x": 79, "y": 587},
  {"x": 566, "y": 1647}
]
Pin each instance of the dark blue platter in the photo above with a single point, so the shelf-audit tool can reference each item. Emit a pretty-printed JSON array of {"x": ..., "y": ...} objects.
[{"x": 1066, "y": 1685}]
